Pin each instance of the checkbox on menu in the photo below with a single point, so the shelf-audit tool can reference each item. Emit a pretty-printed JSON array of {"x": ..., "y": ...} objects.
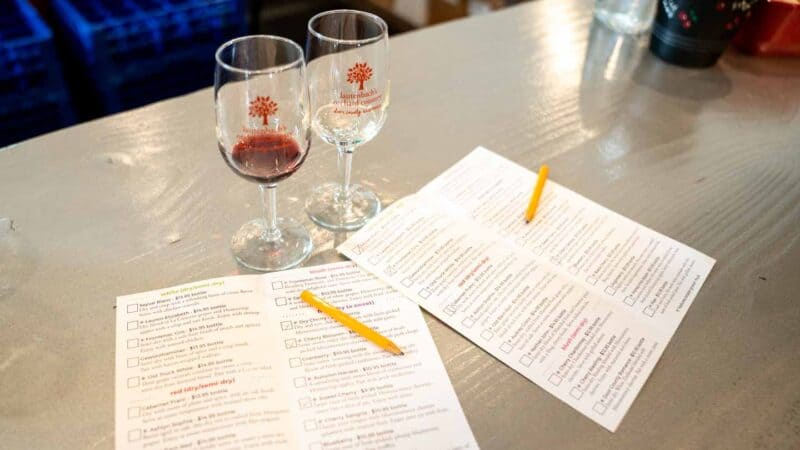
[
  {"x": 506, "y": 347},
  {"x": 611, "y": 290},
  {"x": 133, "y": 362},
  {"x": 450, "y": 310},
  {"x": 133, "y": 382},
  {"x": 424, "y": 293},
  {"x": 555, "y": 379},
  {"x": 299, "y": 381},
  {"x": 358, "y": 249},
  {"x": 133, "y": 308},
  {"x": 576, "y": 393},
  {"x": 305, "y": 402},
  {"x": 134, "y": 412},
  {"x": 390, "y": 270},
  {"x": 526, "y": 360},
  {"x": 591, "y": 280},
  {"x": 649, "y": 311},
  {"x": 133, "y": 343},
  {"x": 487, "y": 334},
  {"x": 133, "y": 325},
  {"x": 573, "y": 270},
  {"x": 277, "y": 285},
  {"x": 407, "y": 282},
  {"x": 310, "y": 425},
  {"x": 286, "y": 325},
  {"x": 280, "y": 301},
  {"x": 290, "y": 343},
  {"x": 134, "y": 435},
  {"x": 374, "y": 259},
  {"x": 295, "y": 362},
  {"x": 599, "y": 408},
  {"x": 468, "y": 322},
  {"x": 629, "y": 300}
]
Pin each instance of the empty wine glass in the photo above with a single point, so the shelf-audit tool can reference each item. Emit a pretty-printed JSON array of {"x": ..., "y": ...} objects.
[
  {"x": 263, "y": 132},
  {"x": 348, "y": 68}
]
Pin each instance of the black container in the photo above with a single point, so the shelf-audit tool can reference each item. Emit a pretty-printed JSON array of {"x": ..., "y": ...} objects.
[{"x": 694, "y": 33}]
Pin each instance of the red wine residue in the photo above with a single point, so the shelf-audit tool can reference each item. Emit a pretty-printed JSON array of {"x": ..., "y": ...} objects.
[{"x": 266, "y": 157}]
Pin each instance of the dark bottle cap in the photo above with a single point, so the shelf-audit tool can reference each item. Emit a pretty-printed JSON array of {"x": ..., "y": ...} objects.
[
  {"x": 694, "y": 33},
  {"x": 685, "y": 51}
]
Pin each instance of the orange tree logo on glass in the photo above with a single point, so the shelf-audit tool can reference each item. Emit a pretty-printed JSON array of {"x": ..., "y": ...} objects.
[
  {"x": 263, "y": 107},
  {"x": 359, "y": 73}
]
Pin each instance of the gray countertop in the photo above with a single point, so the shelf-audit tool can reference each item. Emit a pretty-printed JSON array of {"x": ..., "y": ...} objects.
[{"x": 142, "y": 200}]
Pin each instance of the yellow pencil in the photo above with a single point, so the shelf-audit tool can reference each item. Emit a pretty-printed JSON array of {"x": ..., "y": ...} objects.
[
  {"x": 351, "y": 323},
  {"x": 537, "y": 193}
]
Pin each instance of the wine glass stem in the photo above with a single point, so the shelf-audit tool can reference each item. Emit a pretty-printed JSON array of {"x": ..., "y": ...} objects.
[
  {"x": 345, "y": 198},
  {"x": 270, "y": 203}
]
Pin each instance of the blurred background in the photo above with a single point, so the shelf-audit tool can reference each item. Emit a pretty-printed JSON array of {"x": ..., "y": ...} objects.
[{"x": 67, "y": 61}]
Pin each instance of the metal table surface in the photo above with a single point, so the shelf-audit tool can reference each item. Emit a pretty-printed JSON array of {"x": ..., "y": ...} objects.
[{"x": 142, "y": 200}]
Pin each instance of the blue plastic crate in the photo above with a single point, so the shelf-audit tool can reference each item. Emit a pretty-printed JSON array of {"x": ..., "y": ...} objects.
[
  {"x": 33, "y": 96},
  {"x": 34, "y": 112},
  {"x": 27, "y": 53},
  {"x": 177, "y": 78},
  {"x": 118, "y": 39}
]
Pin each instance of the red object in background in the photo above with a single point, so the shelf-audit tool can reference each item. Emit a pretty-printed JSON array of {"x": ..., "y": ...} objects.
[{"x": 773, "y": 30}]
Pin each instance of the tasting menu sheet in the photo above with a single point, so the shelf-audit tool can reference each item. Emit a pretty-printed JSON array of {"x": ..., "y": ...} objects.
[
  {"x": 582, "y": 301},
  {"x": 242, "y": 362}
]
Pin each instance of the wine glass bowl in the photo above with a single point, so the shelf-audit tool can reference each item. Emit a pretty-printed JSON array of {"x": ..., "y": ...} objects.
[
  {"x": 348, "y": 67},
  {"x": 263, "y": 134}
]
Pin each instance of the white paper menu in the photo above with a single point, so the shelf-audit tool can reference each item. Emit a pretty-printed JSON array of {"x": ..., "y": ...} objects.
[
  {"x": 242, "y": 362},
  {"x": 581, "y": 301}
]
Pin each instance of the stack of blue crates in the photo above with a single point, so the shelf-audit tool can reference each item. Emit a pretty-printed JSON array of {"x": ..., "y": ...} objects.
[
  {"x": 133, "y": 52},
  {"x": 33, "y": 96}
]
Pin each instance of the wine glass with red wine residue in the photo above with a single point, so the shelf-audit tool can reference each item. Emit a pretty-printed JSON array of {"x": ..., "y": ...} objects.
[{"x": 263, "y": 133}]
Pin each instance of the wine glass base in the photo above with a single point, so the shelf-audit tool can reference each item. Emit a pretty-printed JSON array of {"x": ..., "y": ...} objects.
[
  {"x": 253, "y": 250},
  {"x": 323, "y": 208}
]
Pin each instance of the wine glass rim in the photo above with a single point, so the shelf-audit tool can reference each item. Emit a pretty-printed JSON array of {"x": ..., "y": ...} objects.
[
  {"x": 279, "y": 68},
  {"x": 381, "y": 23}
]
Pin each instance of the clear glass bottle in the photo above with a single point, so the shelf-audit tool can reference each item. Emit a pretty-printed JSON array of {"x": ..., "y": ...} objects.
[{"x": 626, "y": 16}]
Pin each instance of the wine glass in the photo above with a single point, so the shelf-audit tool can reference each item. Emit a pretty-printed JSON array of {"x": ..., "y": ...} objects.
[
  {"x": 348, "y": 69},
  {"x": 264, "y": 132}
]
